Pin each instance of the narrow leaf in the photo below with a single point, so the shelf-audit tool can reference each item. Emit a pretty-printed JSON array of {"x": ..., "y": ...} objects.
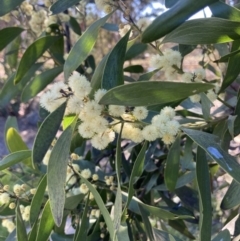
[
  {"x": 147, "y": 224},
  {"x": 82, "y": 232},
  {"x": 137, "y": 170},
  {"x": 33, "y": 52},
  {"x": 206, "y": 106},
  {"x": 113, "y": 71},
  {"x": 38, "y": 83},
  {"x": 46, "y": 223},
  {"x": 56, "y": 173},
  {"x": 7, "y": 6},
  {"x": 83, "y": 47},
  {"x": 14, "y": 158},
  {"x": 46, "y": 134},
  {"x": 20, "y": 227},
  {"x": 232, "y": 197},
  {"x": 37, "y": 200},
  {"x": 101, "y": 206},
  {"x": 205, "y": 31},
  {"x": 210, "y": 144},
  {"x": 134, "y": 69},
  {"x": 14, "y": 141},
  {"x": 171, "y": 19},
  {"x": 75, "y": 26},
  {"x": 172, "y": 165},
  {"x": 232, "y": 69},
  {"x": 203, "y": 181},
  {"x": 62, "y": 5},
  {"x": 223, "y": 10},
  {"x": 148, "y": 75},
  {"x": 135, "y": 50},
  {"x": 148, "y": 93},
  {"x": 7, "y": 35}
]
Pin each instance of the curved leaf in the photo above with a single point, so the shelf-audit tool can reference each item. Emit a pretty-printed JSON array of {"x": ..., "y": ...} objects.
[
  {"x": 14, "y": 141},
  {"x": 37, "y": 200},
  {"x": 57, "y": 171},
  {"x": 113, "y": 71},
  {"x": 101, "y": 206},
  {"x": 20, "y": 227},
  {"x": 232, "y": 69},
  {"x": 223, "y": 10},
  {"x": 39, "y": 83},
  {"x": 148, "y": 93},
  {"x": 148, "y": 75},
  {"x": 33, "y": 52},
  {"x": 46, "y": 223},
  {"x": 62, "y": 5},
  {"x": 210, "y": 144},
  {"x": 83, "y": 47},
  {"x": 224, "y": 235},
  {"x": 134, "y": 69},
  {"x": 172, "y": 165},
  {"x": 205, "y": 31},
  {"x": 46, "y": 134},
  {"x": 14, "y": 158},
  {"x": 7, "y": 35},
  {"x": 7, "y": 6},
  {"x": 137, "y": 170},
  {"x": 203, "y": 181},
  {"x": 75, "y": 26},
  {"x": 171, "y": 19},
  {"x": 135, "y": 50},
  {"x": 232, "y": 197}
]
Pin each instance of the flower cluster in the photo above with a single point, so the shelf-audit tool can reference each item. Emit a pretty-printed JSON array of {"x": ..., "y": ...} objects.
[
  {"x": 106, "y": 6},
  {"x": 8, "y": 224},
  {"x": 25, "y": 211},
  {"x": 170, "y": 63},
  {"x": 99, "y": 123}
]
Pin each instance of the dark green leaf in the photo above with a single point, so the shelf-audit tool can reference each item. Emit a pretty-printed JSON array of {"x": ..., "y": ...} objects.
[
  {"x": 37, "y": 200},
  {"x": 135, "y": 50},
  {"x": 148, "y": 93},
  {"x": 223, "y": 236},
  {"x": 232, "y": 197},
  {"x": 33, "y": 52},
  {"x": 134, "y": 69},
  {"x": 172, "y": 165},
  {"x": 7, "y": 6},
  {"x": 223, "y": 10},
  {"x": 96, "y": 81},
  {"x": 75, "y": 26},
  {"x": 113, "y": 71},
  {"x": 38, "y": 83},
  {"x": 203, "y": 181},
  {"x": 186, "y": 49},
  {"x": 81, "y": 234},
  {"x": 46, "y": 223},
  {"x": 205, "y": 31},
  {"x": 206, "y": 106},
  {"x": 171, "y": 19},
  {"x": 147, "y": 224},
  {"x": 226, "y": 57},
  {"x": 62, "y": 5},
  {"x": 183, "y": 180},
  {"x": 56, "y": 173},
  {"x": 187, "y": 158},
  {"x": 210, "y": 144},
  {"x": 83, "y": 47},
  {"x": 232, "y": 69},
  {"x": 14, "y": 158},
  {"x": 57, "y": 51},
  {"x": 101, "y": 206},
  {"x": 20, "y": 227},
  {"x": 147, "y": 76},
  {"x": 73, "y": 201},
  {"x": 46, "y": 134},
  {"x": 33, "y": 232}
]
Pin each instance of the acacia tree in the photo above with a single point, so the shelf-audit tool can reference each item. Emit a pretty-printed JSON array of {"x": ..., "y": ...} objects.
[{"x": 138, "y": 155}]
